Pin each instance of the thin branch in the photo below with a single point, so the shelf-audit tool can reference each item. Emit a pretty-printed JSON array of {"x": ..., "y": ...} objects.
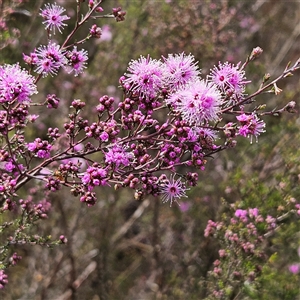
[
  {"x": 80, "y": 279},
  {"x": 124, "y": 229}
]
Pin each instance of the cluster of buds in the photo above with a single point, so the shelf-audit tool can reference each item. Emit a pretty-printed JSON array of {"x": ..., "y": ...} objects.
[{"x": 242, "y": 239}]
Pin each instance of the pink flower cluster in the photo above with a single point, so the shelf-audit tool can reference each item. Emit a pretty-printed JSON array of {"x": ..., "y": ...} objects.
[{"x": 3, "y": 279}]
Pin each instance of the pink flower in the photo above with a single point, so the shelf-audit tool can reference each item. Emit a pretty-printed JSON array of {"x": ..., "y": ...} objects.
[
  {"x": 197, "y": 102},
  {"x": 15, "y": 83},
  {"x": 185, "y": 206},
  {"x": 40, "y": 148},
  {"x": 104, "y": 136},
  {"x": 118, "y": 156},
  {"x": 229, "y": 79},
  {"x": 241, "y": 213},
  {"x": 294, "y": 268},
  {"x": 95, "y": 175},
  {"x": 106, "y": 34},
  {"x": 253, "y": 212},
  {"x": 30, "y": 59},
  {"x": 9, "y": 166},
  {"x": 3, "y": 279},
  {"x": 251, "y": 126},
  {"x": 52, "y": 13},
  {"x": 145, "y": 77},
  {"x": 50, "y": 59},
  {"x": 222, "y": 253},
  {"x": 180, "y": 69},
  {"x": 172, "y": 190},
  {"x": 77, "y": 60}
]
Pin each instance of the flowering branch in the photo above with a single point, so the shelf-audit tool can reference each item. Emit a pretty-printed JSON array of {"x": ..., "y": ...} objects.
[
  {"x": 170, "y": 117},
  {"x": 286, "y": 73}
]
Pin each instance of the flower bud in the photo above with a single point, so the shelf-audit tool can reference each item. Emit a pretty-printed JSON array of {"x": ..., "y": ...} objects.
[
  {"x": 78, "y": 104},
  {"x": 95, "y": 31},
  {"x": 91, "y": 4},
  {"x": 63, "y": 239},
  {"x": 99, "y": 9},
  {"x": 266, "y": 77},
  {"x": 290, "y": 107},
  {"x": 119, "y": 14},
  {"x": 256, "y": 52}
]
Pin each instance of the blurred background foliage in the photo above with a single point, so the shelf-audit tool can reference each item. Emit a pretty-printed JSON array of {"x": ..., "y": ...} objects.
[{"x": 124, "y": 249}]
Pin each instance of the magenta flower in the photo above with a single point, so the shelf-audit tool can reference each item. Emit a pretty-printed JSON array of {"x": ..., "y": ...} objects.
[
  {"x": 106, "y": 34},
  {"x": 229, "y": 79},
  {"x": 198, "y": 102},
  {"x": 118, "y": 156},
  {"x": 196, "y": 133},
  {"x": 172, "y": 190},
  {"x": 180, "y": 69},
  {"x": 15, "y": 83},
  {"x": 40, "y": 148},
  {"x": 30, "y": 59},
  {"x": 3, "y": 279},
  {"x": 104, "y": 136},
  {"x": 9, "y": 166},
  {"x": 294, "y": 268},
  {"x": 271, "y": 222},
  {"x": 95, "y": 175},
  {"x": 52, "y": 13},
  {"x": 77, "y": 60},
  {"x": 185, "y": 206},
  {"x": 220, "y": 75},
  {"x": 14, "y": 259},
  {"x": 253, "y": 212},
  {"x": 207, "y": 133},
  {"x": 50, "y": 59},
  {"x": 241, "y": 213},
  {"x": 251, "y": 126},
  {"x": 145, "y": 77}
]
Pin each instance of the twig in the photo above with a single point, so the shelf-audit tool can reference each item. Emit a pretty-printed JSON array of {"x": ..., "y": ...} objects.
[
  {"x": 124, "y": 229},
  {"x": 80, "y": 279}
]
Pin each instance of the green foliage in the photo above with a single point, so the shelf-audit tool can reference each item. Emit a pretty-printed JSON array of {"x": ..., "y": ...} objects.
[{"x": 278, "y": 285}]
